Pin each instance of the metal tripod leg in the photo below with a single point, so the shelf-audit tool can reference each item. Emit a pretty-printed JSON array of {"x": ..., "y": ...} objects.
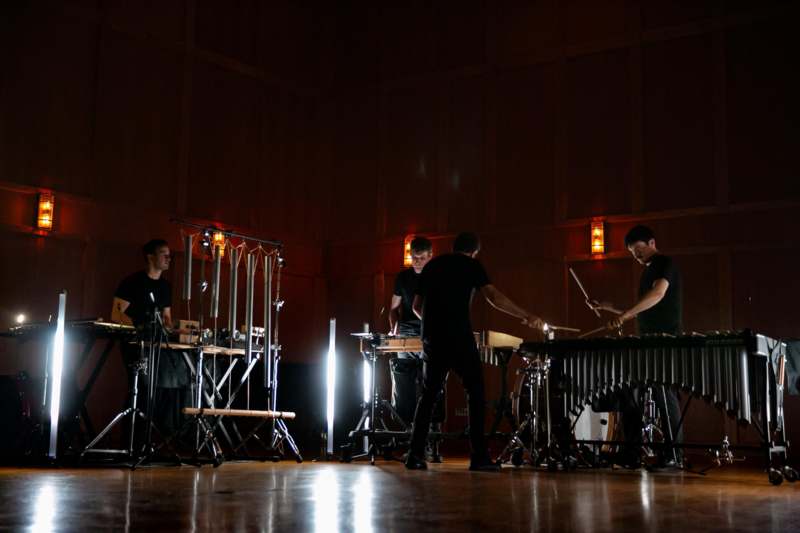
[{"x": 133, "y": 410}]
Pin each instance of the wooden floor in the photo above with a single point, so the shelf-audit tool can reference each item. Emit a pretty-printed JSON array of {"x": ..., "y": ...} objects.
[{"x": 362, "y": 498}]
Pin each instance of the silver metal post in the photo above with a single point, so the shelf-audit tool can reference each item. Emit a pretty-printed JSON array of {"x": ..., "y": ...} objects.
[
  {"x": 268, "y": 261},
  {"x": 232, "y": 296},
  {"x": 248, "y": 315},
  {"x": 215, "y": 283},
  {"x": 187, "y": 272}
]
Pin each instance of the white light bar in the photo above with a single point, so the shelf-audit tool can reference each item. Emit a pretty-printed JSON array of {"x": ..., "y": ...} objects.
[
  {"x": 331, "y": 384},
  {"x": 57, "y": 368},
  {"x": 367, "y": 384}
]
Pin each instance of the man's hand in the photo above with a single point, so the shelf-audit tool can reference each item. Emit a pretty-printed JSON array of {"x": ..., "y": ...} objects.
[
  {"x": 617, "y": 322},
  {"x": 534, "y": 322}
]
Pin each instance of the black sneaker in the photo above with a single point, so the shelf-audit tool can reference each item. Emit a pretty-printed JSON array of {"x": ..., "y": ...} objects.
[
  {"x": 484, "y": 466},
  {"x": 415, "y": 463}
]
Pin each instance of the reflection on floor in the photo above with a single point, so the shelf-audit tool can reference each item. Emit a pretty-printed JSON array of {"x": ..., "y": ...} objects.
[{"x": 363, "y": 498}]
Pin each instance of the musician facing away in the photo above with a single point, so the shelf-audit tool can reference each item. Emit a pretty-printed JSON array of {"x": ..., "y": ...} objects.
[
  {"x": 407, "y": 367},
  {"x": 442, "y": 302},
  {"x": 658, "y": 310}
]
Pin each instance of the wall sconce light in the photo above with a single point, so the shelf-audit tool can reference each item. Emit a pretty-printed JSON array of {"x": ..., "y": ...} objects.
[
  {"x": 407, "y": 250},
  {"x": 598, "y": 237},
  {"x": 218, "y": 241},
  {"x": 44, "y": 213}
]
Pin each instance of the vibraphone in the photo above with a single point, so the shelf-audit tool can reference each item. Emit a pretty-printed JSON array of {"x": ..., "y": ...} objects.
[{"x": 740, "y": 372}]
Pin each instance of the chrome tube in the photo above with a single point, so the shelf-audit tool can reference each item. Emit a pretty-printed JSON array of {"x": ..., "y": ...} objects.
[
  {"x": 215, "y": 284},
  {"x": 187, "y": 269},
  {"x": 232, "y": 295}
]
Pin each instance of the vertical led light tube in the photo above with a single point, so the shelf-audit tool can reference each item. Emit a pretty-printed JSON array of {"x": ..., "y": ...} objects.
[
  {"x": 367, "y": 384},
  {"x": 330, "y": 381},
  {"x": 56, "y": 370}
]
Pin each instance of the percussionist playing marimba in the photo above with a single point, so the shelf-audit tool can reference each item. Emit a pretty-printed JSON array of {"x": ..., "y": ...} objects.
[{"x": 658, "y": 310}]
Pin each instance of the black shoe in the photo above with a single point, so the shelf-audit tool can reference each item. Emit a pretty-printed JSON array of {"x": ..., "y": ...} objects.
[
  {"x": 484, "y": 466},
  {"x": 415, "y": 463}
]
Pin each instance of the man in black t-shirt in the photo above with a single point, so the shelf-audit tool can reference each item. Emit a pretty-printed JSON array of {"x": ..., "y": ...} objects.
[
  {"x": 658, "y": 310},
  {"x": 134, "y": 301},
  {"x": 139, "y": 293},
  {"x": 407, "y": 366},
  {"x": 402, "y": 319},
  {"x": 443, "y": 298}
]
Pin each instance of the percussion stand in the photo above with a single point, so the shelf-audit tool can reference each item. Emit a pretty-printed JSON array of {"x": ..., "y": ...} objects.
[
  {"x": 516, "y": 449},
  {"x": 371, "y": 408},
  {"x": 278, "y": 432},
  {"x": 503, "y": 405},
  {"x": 158, "y": 332}
]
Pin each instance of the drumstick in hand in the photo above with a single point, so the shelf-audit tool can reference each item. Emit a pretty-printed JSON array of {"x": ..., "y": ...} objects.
[{"x": 585, "y": 294}]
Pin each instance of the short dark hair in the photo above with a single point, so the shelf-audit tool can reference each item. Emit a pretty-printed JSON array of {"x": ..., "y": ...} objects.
[
  {"x": 466, "y": 243},
  {"x": 639, "y": 233},
  {"x": 421, "y": 244},
  {"x": 152, "y": 246}
]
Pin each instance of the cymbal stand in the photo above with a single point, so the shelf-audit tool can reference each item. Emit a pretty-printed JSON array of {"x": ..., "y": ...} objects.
[
  {"x": 158, "y": 333},
  {"x": 139, "y": 367},
  {"x": 536, "y": 376},
  {"x": 651, "y": 433},
  {"x": 371, "y": 423}
]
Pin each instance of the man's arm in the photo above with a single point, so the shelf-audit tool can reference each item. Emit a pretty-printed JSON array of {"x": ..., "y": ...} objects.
[
  {"x": 417, "y": 306},
  {"x": 603, "y": 306},
  {"x": 118, "y": 307},
  {"x": 503, "y": 303},
  {"x": 166, "y": 315},
  {"x": 651, "y": 298},
  {"x": 394, "y": 313}
]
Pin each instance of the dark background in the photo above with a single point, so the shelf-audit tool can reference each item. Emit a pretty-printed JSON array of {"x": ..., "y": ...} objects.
[{"x": 340, "y": 128}]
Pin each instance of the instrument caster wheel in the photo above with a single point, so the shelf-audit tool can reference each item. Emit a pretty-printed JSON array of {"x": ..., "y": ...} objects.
[
  {"x": 775, "y": 477},
  {"x": 790, "y": 474}
]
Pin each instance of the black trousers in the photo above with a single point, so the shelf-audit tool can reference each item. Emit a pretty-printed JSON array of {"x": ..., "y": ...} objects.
[{"x": 465, "y": 362}]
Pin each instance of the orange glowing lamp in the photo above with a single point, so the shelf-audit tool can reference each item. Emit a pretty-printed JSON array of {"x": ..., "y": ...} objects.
[
  {"x": 598, "y": 237},
  {"x": 218, "y": 242},
  {"x": 407, "y": 250},
  {"x": 44, "y": 214}
]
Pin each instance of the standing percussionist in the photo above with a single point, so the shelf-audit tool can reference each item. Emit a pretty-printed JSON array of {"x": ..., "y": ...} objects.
[
  {"x": 658, "y": 310},
  {"x": 442, "y": 301},
  {"x": 407, "y": 367}
]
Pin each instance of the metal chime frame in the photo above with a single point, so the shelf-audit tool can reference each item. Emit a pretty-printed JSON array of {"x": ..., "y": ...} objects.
[{"x": 273, "y": 263}]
